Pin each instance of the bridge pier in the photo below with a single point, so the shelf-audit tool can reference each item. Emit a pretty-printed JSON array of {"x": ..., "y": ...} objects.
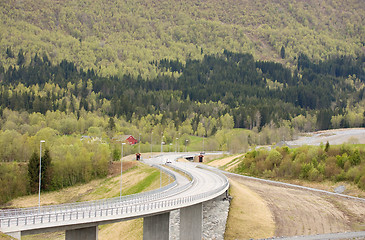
[
  {"x": 156, "y": 227},
  {"x": 191, "y": 222},
  {"x": 90, "y": 233}
]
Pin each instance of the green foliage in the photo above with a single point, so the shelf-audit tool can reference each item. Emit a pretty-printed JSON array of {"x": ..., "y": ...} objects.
[
  {"x": 33, "y": 172},
  {"x": 46, "y": 172},
  {"x": 273, "y": 159},
  {"x": 142, "y": 185},
  {"x": 355, "y": 158},
  {"x": 116, "y": 154},
  {"x": 13, "y": 177},
  {"x": 124, "y": 37},
  {"x": 309, "y": 163},
  {"x": 218, "y": 92}
]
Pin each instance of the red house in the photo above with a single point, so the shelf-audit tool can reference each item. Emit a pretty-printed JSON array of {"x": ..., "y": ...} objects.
[{"x": 126, "y": 138}]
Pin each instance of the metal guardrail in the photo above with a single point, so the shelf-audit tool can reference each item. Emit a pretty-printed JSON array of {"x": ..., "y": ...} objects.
[
  {"x": 111, "y": 211},
  {"x": 95, "y": 204},
  {"x": 108, "y": 207}
]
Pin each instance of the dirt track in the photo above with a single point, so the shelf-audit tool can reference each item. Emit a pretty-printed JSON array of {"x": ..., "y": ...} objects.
[{"x": 301, "y": 212}]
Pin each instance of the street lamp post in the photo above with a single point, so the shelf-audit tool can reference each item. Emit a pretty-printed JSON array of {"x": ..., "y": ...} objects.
[
  {"x": 186, "y": 143},
  {"x": 162, "y": 143},
  {"x": 40, "y": 173},
  {"x": 121, "y": 172}
]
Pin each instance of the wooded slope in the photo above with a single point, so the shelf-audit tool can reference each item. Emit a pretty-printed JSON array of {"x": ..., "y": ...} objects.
[{"x": 124, "y": 36}]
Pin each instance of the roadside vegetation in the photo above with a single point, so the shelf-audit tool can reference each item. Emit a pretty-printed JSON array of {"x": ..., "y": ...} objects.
[{"x": 312, "y": 163}]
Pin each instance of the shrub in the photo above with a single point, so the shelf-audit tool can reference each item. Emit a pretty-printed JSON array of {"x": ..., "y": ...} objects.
[
  {"x": 306, "y": 168},
  {"x": 361, "y": 182},
  {"x": 341, "y": 160},
  {"x": 339, "y": 163},
  {"x": 273, "y": 159},
  {"x": 314, "y": 175},
  {"x": 353, "y": 174},
  {"x": 286, "y": 168},
  {"x": 340, "y": 177},
  {"x": 331, "y": 168},
  {"x": 355, "y": 158},
  {"x": 333, "y": 151}
]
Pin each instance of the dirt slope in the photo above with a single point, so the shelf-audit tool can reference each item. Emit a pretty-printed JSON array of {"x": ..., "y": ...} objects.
[{"x": 301, "y": 212}]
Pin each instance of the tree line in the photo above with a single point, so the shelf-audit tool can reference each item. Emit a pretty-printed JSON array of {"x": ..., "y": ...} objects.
[{"x": 254, "y": 93}]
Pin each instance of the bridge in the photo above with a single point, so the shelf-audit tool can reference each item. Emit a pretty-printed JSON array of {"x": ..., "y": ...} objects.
[{"x": 81, "y": 220}]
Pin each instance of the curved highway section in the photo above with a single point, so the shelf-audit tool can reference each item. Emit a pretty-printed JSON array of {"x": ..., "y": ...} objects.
[{"x": 81, "y": 220}]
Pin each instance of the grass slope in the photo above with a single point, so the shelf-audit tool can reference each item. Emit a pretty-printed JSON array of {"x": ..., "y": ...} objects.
[
  {"x": 124, "y": 36},
  {"x": 248, "y": 209}
]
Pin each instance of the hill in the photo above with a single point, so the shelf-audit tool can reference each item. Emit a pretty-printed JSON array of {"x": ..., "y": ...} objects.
[
  {"x": 120, "y": 37},
  {"x": 228, "y": 90}
]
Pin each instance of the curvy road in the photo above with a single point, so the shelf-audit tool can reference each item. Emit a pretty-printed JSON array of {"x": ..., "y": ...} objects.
[{"x": 204, "y": 185}]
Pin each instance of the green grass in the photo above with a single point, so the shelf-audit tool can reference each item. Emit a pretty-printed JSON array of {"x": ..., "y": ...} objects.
[
  {"x": 144, "y": 184},
  {"x": 3, "y": 236}
]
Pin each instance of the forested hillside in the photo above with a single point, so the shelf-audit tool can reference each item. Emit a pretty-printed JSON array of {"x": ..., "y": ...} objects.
[
  {"x": 122, "y": 37},
  {"x": 254, "y": 93}
]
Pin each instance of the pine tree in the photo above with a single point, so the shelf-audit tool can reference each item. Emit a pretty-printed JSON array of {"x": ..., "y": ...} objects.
[
  {"x": 33, "y": 172},
  {"x": 9, "y": 52},
  {"x": 327, "y": 147},
  {"x": 21, "y": 58},
  {"x": 111, "y": 123},
  {"x": 282, "y": 52},
  {"x": 46, "y": 170}
]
